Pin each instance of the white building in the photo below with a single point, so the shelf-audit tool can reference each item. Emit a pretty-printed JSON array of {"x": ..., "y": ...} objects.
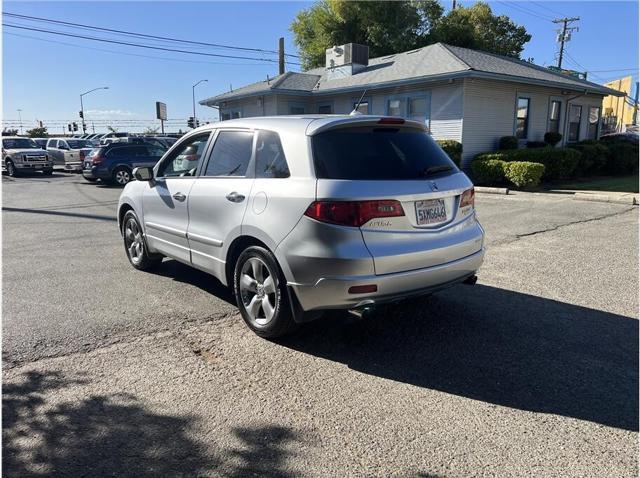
[{"x": 469, "y": 96}]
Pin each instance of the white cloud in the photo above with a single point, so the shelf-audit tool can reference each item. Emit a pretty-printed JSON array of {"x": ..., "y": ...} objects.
[{"x": 110, "y": 113}]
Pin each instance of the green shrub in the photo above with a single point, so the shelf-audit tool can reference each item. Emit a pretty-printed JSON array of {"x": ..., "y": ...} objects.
[
  {"x": 592, "y": 159},
  {"x": 523, "y": 173},
  {"x": 452, "y": 148},
  {"x": 559, "y": 163},
  {"x": 508, "y": 142},
  {"x": 552, "y": 138},
  {"x": 536, "y": 144},
  {"x": 489, "y": 172},
  {"x": 622, "y": 157}
]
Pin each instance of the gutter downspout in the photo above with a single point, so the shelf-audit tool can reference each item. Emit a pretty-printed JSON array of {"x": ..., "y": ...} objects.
[{"x": 566, "y": 116}]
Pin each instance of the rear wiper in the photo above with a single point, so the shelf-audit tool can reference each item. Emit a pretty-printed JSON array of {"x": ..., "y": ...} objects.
[{"x": 435, "y": 169}]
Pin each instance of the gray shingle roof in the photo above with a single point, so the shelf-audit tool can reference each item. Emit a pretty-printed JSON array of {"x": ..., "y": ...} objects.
[{"x": 434, "y": 62}]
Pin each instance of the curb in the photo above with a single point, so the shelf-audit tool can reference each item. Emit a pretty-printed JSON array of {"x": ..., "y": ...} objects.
[
  {"x": 630, "y": 199},
  {"x": 488, "y": 190}
]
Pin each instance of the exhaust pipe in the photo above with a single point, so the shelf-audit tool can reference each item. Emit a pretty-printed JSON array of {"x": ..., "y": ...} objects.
[
  {"x": 471, "y": 280},
  {"x": 362, "y": 312}
]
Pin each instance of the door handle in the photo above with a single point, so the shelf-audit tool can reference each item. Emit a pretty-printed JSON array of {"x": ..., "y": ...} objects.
[
  {"x": 179, "y": 197},
  {"x": 235, "y": 197}
]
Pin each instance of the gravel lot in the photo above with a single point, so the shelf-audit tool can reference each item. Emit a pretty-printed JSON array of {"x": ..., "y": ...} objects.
[{"x": 111, "y": 371}]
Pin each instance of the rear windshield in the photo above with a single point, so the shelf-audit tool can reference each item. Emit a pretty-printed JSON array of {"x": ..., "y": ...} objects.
[{"x": 373, "y": 153}]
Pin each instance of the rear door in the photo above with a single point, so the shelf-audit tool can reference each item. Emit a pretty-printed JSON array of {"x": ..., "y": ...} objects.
[
  {"x": 219, "y": 198},
  {"x": 402, "y": 165},
  {"x": 164, "y": 201}
]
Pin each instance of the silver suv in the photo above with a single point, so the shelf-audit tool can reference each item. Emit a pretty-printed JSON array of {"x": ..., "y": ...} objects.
[{"x": 304, "y": 214}]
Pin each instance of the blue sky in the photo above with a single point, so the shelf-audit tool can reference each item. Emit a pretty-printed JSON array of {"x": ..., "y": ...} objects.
[{"x": 44, "y": 78}]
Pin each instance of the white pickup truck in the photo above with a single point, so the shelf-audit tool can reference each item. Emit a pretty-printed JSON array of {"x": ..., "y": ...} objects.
[{"x": 69, "y": 152}]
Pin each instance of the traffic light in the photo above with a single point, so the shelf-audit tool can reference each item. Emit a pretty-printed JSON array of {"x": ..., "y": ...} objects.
[
  {"x": 40, "y": 123},
  {"x": 81, "y": 113},
  {"x": 197, "y": 123},
  {"x": 191, "y": 123},
  {"x": 69, "y": 127},
  {"x": 75, "y": 126}
]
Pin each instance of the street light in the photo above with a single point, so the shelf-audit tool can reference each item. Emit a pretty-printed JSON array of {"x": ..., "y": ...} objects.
[
  {"x": 193, "y": 91},
  {"x": 20, "y": 116},
  {"x": 84, "y": 125}
]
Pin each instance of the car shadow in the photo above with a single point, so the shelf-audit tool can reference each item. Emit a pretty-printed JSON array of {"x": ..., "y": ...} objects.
[
  {"x": 497, "y": 346},
  {"x": 183, "y": 273},
  {"x": 115, "y": 434}
]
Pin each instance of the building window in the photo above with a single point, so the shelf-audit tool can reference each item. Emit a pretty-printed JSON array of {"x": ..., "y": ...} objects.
[
  {"x": 395, "y": 107},
  {"x": 325, "y": 109},
  {"x": 522, "y": 118},
  {"x": 363, "y": 107},
  {"x": 554, "y": 116},
  {"x": 594, "y": 122},
  {"x": 229, "y": 114},
  {"x": 418, "y": 109},
  {"x": 575, "y": 114},
  {"x": 296, "y": 109}
]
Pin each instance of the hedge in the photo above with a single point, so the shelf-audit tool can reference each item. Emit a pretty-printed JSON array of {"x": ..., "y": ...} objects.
[
  {"x": 452, "y": 148},
  {"x": 488, "y": 171},
  {"x": 622, "y": 157},
  {"x": 592, "y": 159},
  {"x": 552, "y": 138},
  {"x": 559, "y": 163},
  {"x": 523, "y": 173},
  {"x": 508, "y": 143}
]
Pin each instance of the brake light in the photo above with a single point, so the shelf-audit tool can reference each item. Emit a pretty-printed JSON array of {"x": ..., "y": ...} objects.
[
  {"x": 97, "y": 159},
  {"x": 353, "y": 213},
  {"x": 468, "y": 198},
  {"x": 391, "y": 121},
  {"x": 82, "y": 155}
]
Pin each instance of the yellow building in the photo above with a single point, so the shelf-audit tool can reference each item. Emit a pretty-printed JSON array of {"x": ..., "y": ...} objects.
[{"x": 618, "y": 111}]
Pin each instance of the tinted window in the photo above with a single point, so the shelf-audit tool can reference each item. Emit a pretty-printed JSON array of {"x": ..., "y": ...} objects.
[
  {"x": 231, "y": 154},
  {"x": 19, "y": 143},
  {"x": 270, "y": 160},
  {"x": 377, "y": 153},
  {"x": 155, "y": 151},
  {"x": 184, "y": 159}
]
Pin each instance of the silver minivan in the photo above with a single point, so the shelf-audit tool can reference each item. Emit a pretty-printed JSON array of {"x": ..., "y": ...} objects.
[{"x": 305, "y": 214}]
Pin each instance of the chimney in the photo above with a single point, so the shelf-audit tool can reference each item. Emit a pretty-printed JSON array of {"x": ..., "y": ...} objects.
[{"x": 346, "y": 60}]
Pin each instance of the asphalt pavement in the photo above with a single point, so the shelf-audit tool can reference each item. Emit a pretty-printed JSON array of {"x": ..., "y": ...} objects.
[{"x": 112, "y": 371}]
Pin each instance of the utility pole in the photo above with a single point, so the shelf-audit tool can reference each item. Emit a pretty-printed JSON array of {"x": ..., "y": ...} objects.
[
  {"x": 564, "y": 35},
  {"x": 453, "y": 5},
  {"x": 193, "y": 97},
  {"x": 281, "y": 56}
]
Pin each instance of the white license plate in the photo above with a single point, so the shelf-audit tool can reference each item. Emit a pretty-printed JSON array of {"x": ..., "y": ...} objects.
[{"x": 432, "y": 211}]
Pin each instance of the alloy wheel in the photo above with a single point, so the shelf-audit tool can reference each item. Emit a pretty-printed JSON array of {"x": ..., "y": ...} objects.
[
  {"x": 133, "y": 241},
  {"x": 258, "y": 290},
  {"x": 122, "y": 177}
]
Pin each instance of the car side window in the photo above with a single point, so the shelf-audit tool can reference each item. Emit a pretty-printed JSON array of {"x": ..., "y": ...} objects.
[
  {"x": 185, "y": 158},
  {"x": 231, "y": 154},
  {"x": 270, "y": 159},
  {"x": 117, "y": 153},
  {"x": 154, "y": 151}
]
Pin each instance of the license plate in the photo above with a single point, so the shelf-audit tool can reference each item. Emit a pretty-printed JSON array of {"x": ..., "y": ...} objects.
[
  {"x": 38, "y": 166},
  {"x": 432, "y": 211}
]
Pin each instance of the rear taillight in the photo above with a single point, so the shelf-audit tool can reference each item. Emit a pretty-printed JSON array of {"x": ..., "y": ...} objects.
[
  {"x": 82, "y": 155},
  {"x": 353, "y": 213},
  {"x": 97, "y": 160},
  {"x": 468, "y": 198}
]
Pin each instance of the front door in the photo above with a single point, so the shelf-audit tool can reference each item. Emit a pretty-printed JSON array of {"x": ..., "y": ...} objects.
[
  {"x": 165, "y": 201},
  {"x": 218, "y": 200}
]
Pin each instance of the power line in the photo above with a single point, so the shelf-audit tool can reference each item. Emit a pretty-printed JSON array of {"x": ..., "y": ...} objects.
[
  {"x": 137, "y": 45},
  {"x": 555, "y": 12},
  {"x": 142, "y": 35},
  {"x": 526, "y": 10},
  {"x": 116, "y": 52}
]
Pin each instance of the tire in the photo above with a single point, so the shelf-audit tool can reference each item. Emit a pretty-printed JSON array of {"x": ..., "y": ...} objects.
[
  {"x": 258, "y": 282},
  {"x": 135, "y": 245},
  {"x": 121, "y": 176},
  {"x": 91, "y": 180},
  {"x": 11, "y": 169}
]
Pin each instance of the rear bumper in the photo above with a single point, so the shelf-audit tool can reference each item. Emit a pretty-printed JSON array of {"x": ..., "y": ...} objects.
[
  {"x": 332, "y": 293},
  {"x": 95, "y": 173},
  {"x": 73, "y": 166}
]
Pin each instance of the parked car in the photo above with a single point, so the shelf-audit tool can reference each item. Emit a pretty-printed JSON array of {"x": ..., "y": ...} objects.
[
  {"x": 23, "y": 155},
  {"x": 628, "y": 136},
  {"x": 69, "y": 152},
  {"x": 304, "y": 214},
  {"x": 107, "y": 136},
  {"x": 114, "y": 163},
  {"x": 42, "y": 142}
]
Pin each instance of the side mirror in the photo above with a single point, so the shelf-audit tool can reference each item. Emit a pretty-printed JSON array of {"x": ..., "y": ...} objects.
[{"x": 143, "y": 174}]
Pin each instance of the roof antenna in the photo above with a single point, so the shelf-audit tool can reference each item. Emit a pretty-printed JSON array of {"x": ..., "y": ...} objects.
[{"x": 355, "y": 111}]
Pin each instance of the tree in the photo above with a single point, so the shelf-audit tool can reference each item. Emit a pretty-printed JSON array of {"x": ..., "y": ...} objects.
[
  {"x": 39, "y": 132},
  {"x": 394, "y": 27},
  {"x": 9, "y": 132},
  {"x": 150, "y": 130},
  {"x": 478, "y": 28}
]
